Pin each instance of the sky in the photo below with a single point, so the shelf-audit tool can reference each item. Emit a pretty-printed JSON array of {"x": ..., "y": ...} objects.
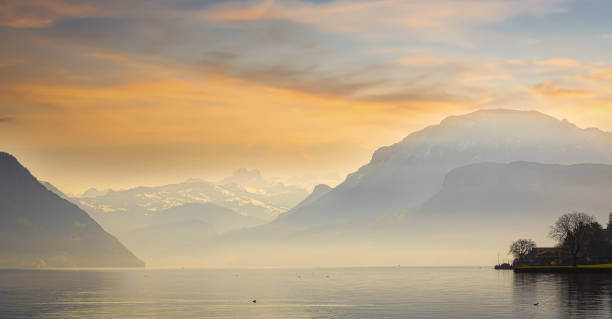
[{"x": 125, "y": 93}]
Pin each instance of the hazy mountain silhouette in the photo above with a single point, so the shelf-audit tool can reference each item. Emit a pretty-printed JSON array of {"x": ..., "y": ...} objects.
[
  {"x": 220, "y": 218},
  {"x": 404, "y": 175},
  {"x": 158, "y": 232},
  {"x": 497, "y": 202},
  {"x": 479, "y": 209},
  {"x": 521, "y": 190},
  {"x": 154, "y": 220},
  {"x": 317, "y": 193},
  {"x": 465, "y": 187},
  {"x": 40, "y": 229}
]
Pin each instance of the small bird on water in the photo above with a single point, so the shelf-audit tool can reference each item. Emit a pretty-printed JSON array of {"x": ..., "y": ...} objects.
[
  {"x": 254, "y": 301},
  {"x": 537, "y": 303}
]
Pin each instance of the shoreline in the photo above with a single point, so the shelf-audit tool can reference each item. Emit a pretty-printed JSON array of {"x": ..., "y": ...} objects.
[{"x": 577, "y": 268}]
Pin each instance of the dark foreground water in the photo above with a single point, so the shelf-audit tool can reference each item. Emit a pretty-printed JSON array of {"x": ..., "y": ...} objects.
[{"x": 303, "y": 293}]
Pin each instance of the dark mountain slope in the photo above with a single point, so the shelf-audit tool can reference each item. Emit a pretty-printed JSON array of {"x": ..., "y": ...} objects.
[{"x": 40, "y": 229}]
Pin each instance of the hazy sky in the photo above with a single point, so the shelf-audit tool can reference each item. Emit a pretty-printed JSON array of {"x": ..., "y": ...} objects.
[{"x": 120, "y": 93}]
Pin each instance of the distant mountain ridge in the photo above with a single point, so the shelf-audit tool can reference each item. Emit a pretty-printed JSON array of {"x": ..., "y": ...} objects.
[
  {"x": 528, "y": 190},
  {"x": 246, "y": 192},
  {"x": 318, "y": 192},
  {"x": 159, "y": 232},
  {"x": 40, "y": 229},
  {"x": 404, "y": 175}
]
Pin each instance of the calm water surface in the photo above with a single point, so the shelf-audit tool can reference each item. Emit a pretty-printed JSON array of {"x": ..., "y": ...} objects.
[{"x": 303, "y": 293}]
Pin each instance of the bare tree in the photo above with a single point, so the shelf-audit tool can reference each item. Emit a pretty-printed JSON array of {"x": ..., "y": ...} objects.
[
  {"x": 521, "y": 248},
  {"x": 571, "y": 232}
]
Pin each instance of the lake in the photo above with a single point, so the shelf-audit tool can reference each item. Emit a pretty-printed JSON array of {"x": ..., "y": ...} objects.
[{"x": 395, "y": 292}]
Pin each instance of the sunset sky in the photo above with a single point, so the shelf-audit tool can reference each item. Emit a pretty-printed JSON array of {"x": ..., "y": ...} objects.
[{"x": 124, "y": 93}]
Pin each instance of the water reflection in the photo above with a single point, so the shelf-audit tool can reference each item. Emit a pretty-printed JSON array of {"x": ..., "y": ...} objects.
[
  {"x": 307, "y": 293},
  {"x": 564, "y": 295},
  {"x": 586, "y": 293}
]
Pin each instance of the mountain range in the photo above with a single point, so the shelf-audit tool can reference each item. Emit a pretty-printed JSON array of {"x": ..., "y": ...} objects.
[
  {"x": 153, "y": 220},
  {"x": 452, "y": 193},
  {"x": 479, "y": 210},
  {"x": 245, "y": 192},
  {"x": 472, "y": 183}
]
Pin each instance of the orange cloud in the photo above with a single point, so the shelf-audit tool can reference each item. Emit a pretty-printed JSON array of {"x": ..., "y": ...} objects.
[
  {"x": 550, "y": 89},
  {"x": 601, "y": 74},
  {"x": 515, "y": 62},
  {"x": 207, "y": 124},
  {"x": 563, "y": 63},
  {"x": 214, "y": 110}
]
